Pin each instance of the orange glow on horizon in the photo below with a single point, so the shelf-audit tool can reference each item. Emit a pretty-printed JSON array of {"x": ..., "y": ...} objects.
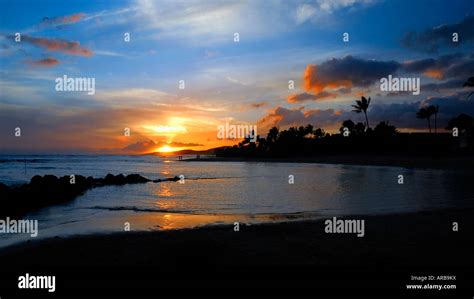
[{"x": 167, "y": 149}]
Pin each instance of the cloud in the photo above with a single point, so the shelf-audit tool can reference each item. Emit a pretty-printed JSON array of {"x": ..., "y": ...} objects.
[
  {"x": 281, "y": 116},
  {"x": 236, "y": 81},
  {"x": 63, "y": 20},
  {"x": 47, "y": 121},
  {"x": 339, "y": 76},
  {"x": 433, "y": 39},
  {"x": 305, "y": 12},
  {"x": 402, "y": 115},
  {"x": 346, "y": 72},
  {"x": 297, "y": 98},
  {"x": 217, "y": 21},
  {"x": 320, "y": 10},
  {"x": 444, "y": 67},
  {"x": 195, "y": 19},
  {"x": 135, "y": 95},
  {"x": 57, "y": 45},
  {"x": 49, "y": 127},
  {"x": 48, "y": 62},
  {"x": 109, "y": 53},
  {"x": 332, "y": 5},
  {"x": 258, "y": 104},
  {"x": 148, "y": 146},
  {"x": 451, "y": 84}
]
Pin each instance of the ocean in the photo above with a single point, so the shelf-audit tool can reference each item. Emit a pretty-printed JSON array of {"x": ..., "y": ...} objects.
[{"x": 227, "y": 192}]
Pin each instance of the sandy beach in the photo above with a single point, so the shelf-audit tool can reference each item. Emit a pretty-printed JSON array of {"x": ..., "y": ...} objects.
[{"x": 193, "y": 261}]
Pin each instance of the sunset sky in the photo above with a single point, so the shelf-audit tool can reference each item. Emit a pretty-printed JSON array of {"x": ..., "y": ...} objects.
[{"x": 243, "y": 82}]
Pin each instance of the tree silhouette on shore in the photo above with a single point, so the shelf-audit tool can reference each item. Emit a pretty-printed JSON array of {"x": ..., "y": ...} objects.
[
  {"x": 424, "y": 113},
  {"x": 462, "y": 122},
  {"x": 433, "y": 110},
  {"x": 384, "y": 138},
  {"x": 361, "y": 106},
  {"x": 385, "y": 129}
]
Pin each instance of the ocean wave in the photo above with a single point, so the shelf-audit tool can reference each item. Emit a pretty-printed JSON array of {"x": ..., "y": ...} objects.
[
  {"x": 138, "y": 209},
  {"x": 222, "y": 178},
  {"x": 257, "y": 216},
  {"x": 24, "y": 160}
]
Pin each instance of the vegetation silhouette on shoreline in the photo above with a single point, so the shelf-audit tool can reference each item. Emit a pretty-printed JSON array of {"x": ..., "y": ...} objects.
[{"x": 360, "y": 138}]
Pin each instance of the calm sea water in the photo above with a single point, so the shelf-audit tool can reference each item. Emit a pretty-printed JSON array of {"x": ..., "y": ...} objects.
[{"x": 224, "y": 192}]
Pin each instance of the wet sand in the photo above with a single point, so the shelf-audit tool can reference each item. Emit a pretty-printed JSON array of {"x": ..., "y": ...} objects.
[{"x": 291, "y": 255}]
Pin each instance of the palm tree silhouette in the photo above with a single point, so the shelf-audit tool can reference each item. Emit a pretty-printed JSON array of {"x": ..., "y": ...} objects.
[
  {"x": 425, "y": 113},
  {"x": 362, "y": 106},
  {"x": 272, "y": 135},
  {"x": 462, "y": 122},
  {"x": 349, "y": 124},
  {"x": 434, "y": 110},
  {"x": 469, "y": 83}
]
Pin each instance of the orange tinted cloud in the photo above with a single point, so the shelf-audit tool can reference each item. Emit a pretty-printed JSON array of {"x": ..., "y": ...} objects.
[
  {"x": 283, "y": 117},
  {"x": 317, "y": 84},
  {"x": 50, "y": 61},
  {"x": 58, "y": 45},
  {"x": 437, "y": 74},
  {"x": 63, "y": 20}
]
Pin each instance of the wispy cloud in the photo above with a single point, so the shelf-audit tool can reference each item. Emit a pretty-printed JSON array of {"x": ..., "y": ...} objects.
[
  {"x": 57, "y": 45},
  {"x": 304, "y": 12},
  {"x": 48, "y": 62},
  {"x": 312, "y": 11},
  {"x": 332, "y": 5},
  {"x": 63, "y": 20},
  {"x": 258, "y": 104},
  {"x": 109, "y": 53},
  {"x": 133, "y": 96}
]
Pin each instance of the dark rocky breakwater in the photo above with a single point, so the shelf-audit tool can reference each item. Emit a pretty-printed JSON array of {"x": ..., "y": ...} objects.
[{"x": 47, "y": 190}]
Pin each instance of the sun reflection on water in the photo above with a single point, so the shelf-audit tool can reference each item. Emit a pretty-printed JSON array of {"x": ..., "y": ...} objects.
[{"x": 164, "y": 190}]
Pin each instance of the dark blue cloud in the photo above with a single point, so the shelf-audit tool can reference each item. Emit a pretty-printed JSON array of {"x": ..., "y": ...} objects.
[{"x": 433, "y": 39}]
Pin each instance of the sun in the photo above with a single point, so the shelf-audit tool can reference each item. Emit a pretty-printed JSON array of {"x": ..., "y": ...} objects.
[{"x": 166, "y": 149}]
